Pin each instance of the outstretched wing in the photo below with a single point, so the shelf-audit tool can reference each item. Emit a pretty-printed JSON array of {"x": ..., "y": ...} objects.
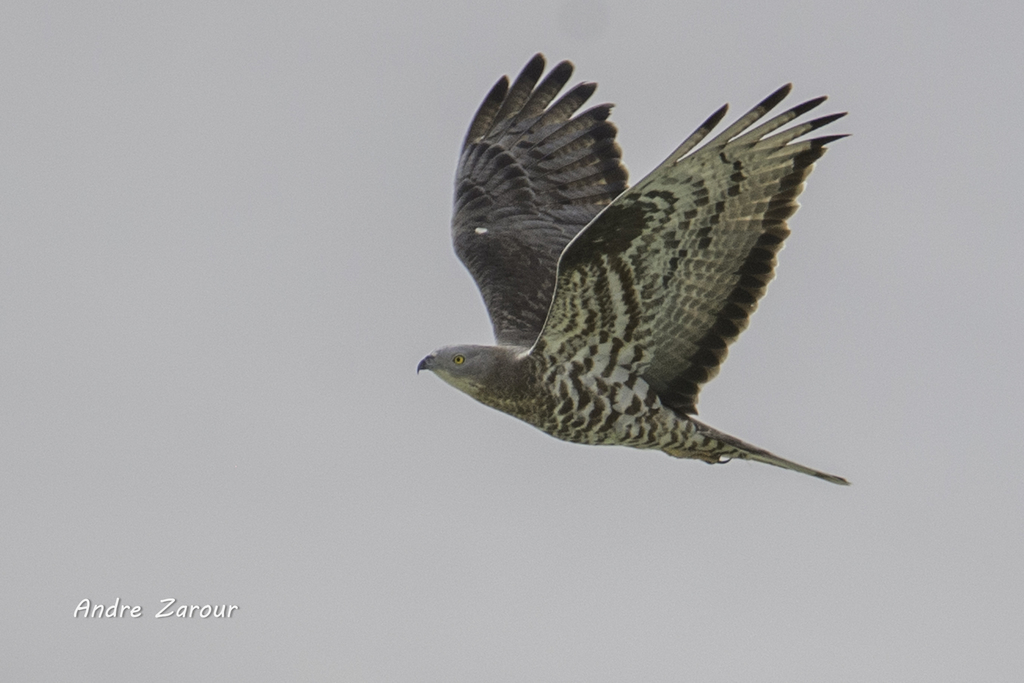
[
  {"x": 530, "y": 177},
  {"x": 667, "y": 276}
]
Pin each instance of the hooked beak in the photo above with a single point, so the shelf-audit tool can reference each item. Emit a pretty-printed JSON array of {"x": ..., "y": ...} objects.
[{"x": 424, "y": 364}]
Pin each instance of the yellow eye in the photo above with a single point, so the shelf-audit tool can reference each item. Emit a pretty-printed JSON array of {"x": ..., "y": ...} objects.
[{"x": 459, "y": 359}]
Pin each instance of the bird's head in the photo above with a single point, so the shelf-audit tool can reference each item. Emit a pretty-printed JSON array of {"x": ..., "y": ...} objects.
[{"x": 466, "y": 367}]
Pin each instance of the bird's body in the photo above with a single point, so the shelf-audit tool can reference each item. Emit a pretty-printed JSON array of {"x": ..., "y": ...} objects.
[{"x": 611, "y": 307}]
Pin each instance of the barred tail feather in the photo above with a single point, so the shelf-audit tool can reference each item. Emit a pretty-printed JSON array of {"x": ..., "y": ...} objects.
[{"x": 712, "y": 446}]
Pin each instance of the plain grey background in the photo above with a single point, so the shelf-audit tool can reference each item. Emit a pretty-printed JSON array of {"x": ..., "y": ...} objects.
[{"x": 224, "y": 248}]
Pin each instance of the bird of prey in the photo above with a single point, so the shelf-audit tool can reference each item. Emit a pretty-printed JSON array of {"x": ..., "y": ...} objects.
[{"x": 612, "y": 305}]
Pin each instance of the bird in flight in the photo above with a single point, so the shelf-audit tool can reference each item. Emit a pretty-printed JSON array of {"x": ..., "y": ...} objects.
[{"x": 613, "y": 305}]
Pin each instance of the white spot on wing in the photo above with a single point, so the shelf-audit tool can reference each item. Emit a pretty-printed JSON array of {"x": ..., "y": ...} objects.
[{"x": 481, "y": 231}]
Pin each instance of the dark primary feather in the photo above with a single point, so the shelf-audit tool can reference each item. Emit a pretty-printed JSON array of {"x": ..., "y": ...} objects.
[
  {"x": 675, "y": 266},
  {"x": 529, "y": 178}
]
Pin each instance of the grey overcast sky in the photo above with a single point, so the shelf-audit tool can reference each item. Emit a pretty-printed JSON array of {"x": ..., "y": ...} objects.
[{"x": 224, "y": 248}]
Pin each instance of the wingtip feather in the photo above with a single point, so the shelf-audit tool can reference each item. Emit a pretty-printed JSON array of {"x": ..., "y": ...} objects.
[
  {"x": 770, "y": 102},
  {"x": 804, "y": 107}
]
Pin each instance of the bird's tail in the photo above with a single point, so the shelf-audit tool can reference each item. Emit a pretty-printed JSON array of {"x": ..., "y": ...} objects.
[{"x": 712, "y": 446}]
